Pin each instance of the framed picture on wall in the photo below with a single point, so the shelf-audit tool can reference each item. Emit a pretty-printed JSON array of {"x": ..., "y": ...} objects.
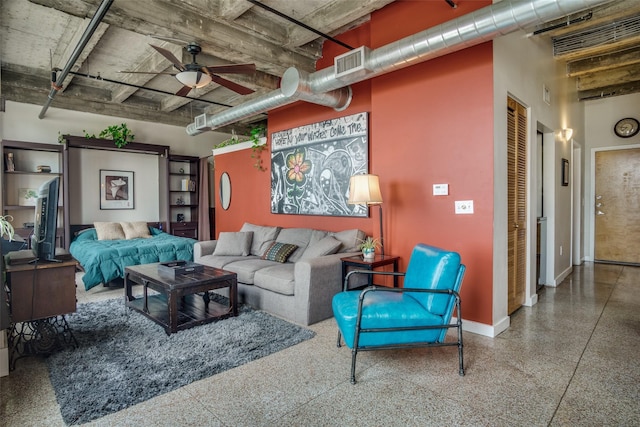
[
  {"x": 565, "y": 172},
  {"x": 116, "y": 189}
]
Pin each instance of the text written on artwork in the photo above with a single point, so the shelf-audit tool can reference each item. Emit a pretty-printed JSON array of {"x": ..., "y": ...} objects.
[{"x": 342, "y": 127}]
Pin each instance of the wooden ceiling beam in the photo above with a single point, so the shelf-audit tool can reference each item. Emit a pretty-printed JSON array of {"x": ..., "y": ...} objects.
[{"x": 604, "y": 62}]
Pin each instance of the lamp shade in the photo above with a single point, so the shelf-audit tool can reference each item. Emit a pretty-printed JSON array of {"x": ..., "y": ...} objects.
[
  {"x": 364, "y": 190},
  {"x": 193, "y": 78}
]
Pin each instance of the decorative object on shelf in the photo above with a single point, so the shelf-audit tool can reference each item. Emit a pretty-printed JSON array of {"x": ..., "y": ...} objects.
[
  {"x": 43, "y": 169},
  {"x": 627, "y": 127},
  {"x": 179, "y": 201},
  {"x": 565, "y": 172},
  {"x": 365, "y": 190},
  {"x": 120, "y": 134},
  {"x": 10, "y": 166},
  {"x": 311, "y": 166},
  {"x": 27, "y": 197},
  {"x": 180, "y": 217},
  {"x": 6, "y": 229},
  {"x": 116, "y": 189},
  {"x": 368, "y": 247},
  {"x": 181, "y": 170},
  {"x": 225, "y": 191}
]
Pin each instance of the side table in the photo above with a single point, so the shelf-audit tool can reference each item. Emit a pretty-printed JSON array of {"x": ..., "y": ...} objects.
[{"x": 360, "y": 263}]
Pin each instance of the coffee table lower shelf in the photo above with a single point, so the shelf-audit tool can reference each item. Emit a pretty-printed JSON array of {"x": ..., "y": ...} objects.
[{"x": 192, "y": 311}]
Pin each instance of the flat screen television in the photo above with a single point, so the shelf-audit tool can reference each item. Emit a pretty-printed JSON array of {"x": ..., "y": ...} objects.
[{"x": 43, "y": 240}]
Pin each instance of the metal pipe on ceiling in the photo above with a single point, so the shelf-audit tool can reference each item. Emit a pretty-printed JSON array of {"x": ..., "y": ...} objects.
[
  {"x": 82, "y": 43},
  {"x": 323, "y": 88}
]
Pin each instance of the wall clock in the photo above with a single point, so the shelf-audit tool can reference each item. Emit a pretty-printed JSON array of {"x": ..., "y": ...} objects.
[{"x": 627, "y": 127}]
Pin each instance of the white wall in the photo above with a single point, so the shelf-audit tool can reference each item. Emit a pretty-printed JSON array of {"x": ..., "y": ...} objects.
[
  {"x": 601, "y": 115},
  {"x": 522, "y": 66},
  {"x": 20, "y": 122}
]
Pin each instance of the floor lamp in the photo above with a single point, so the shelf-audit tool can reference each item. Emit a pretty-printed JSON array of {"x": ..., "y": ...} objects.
[{"x": 365, "y": 190}]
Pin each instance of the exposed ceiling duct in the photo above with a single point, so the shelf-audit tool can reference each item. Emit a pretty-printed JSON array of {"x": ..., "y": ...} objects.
[{"x": 322, "y": 87}]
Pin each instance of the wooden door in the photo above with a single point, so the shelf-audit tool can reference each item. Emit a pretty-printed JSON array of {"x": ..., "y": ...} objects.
[
  {"x": 617, "y": 206},
  {"x": 517, "y": 202}
]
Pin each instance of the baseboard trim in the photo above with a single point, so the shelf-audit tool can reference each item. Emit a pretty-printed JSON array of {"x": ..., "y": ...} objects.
[
  {"x": 531, "y": 301},
  {"x": 483, "y": 329}
]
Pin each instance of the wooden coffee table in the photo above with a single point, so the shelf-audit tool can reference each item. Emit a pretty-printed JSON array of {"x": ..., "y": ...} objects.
[{"x": 177, "y": 305}]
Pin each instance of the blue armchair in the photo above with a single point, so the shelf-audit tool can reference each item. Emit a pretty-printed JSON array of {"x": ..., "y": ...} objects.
[{"x": 417, "y": 315}]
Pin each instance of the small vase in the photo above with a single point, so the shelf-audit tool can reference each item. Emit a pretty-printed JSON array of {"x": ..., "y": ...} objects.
[{"x": 368, "y": 253}]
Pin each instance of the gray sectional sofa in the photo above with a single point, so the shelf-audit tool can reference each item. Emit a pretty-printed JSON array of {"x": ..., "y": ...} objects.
[{"x": 290, "y": 272}]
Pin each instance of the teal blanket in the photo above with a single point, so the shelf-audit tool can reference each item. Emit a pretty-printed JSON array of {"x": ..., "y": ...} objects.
[{"x": 105, "y": 260}]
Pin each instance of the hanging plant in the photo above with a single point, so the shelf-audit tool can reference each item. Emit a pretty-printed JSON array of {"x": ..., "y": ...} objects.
[
  {"x": 120, "y": 134},
  {"x": 257, "y": 147}
]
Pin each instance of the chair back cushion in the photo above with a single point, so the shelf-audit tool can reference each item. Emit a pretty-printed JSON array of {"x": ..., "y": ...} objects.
[{"x": 434, "y": 268}]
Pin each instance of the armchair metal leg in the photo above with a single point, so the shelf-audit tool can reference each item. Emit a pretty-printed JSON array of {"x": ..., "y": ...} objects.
[
  {"x": 338, "y": 344},
  {"x": 460, "y": 360},
  {"x": 354, "y": 352}
]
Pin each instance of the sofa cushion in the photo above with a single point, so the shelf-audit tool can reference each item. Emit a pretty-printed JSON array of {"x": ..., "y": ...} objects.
[
  {"x": 278, "y": 278},
  {"x": 222, "y": 261},
  {"x": 350, "y": 239},
  {"x": 295, "y": 236},
  {"x": 109, "y": 230},
  {"x": 327, "y": 246},
  {"x": 263, "y": 236},
  {"x": 279, "y": 251},
  {"x": 234, "y": 243},
  {"x": 247, "y": 268}
]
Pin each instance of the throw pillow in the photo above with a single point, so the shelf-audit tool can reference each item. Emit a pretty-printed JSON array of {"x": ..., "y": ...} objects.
[
  {"x": 326, "y": 246},
  {"x": 135, "y": 230},
  {"x": 279, "y": 251},
  {"x": 109, "y": 230},
  {"x": 350, "y": 239},
  {"x": 234, "y": 243},
  {"x": 263, "y": 236}
]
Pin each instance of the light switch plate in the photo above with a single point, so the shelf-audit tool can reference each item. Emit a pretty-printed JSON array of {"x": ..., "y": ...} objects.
[
  {"x": 440, "y": 189},
  {"x": 464, "y": 206}
]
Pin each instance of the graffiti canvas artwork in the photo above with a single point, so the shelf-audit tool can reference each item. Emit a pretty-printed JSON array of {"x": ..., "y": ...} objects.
[{"x": 311, "y": 166}]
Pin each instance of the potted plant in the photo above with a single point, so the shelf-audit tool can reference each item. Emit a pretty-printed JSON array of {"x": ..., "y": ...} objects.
[
  {"x": 5, "y": 226},
  {"x": 369, "y": 246}
]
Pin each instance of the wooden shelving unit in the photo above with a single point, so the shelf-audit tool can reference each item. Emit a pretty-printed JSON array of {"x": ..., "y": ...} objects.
[
  {"x": 183, "y": 195},
  {"x": 25, "y": 179}
]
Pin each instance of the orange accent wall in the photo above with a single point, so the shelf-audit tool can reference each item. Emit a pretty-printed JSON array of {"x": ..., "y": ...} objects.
[{"x": 431, "y": 123}]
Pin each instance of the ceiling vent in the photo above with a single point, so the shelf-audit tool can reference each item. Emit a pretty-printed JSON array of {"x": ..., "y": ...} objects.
[
  {"x": 201, "y": 121},
  {"x": 352, "y": 63},
  {"x": 624, "y": 29}
]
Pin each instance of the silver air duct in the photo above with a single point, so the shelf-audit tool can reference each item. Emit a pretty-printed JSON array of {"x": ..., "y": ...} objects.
[{"x": 322, "y": 87}]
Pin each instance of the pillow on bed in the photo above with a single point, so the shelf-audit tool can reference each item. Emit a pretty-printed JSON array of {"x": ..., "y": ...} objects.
[
  {"x": 234, "y": 243},
  {"x": 109, "y": 230},
  {"x": 134, "y": 230}
]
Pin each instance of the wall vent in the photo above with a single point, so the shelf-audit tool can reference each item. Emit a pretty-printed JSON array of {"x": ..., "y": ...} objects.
[
  {"x": 352, "y": 62},
  {"x": 624, "y": 29},
  {"x": 201, "y": 121}
]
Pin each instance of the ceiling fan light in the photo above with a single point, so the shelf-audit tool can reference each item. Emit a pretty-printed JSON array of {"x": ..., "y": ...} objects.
[{"x": 190, "y": 78}]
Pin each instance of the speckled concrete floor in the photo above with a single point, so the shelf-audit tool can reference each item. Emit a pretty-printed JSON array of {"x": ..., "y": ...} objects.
[{"x": 572, "y": 359}]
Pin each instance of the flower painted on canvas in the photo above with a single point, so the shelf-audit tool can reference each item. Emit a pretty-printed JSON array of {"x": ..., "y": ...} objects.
[{"x": 298, "y": 167}]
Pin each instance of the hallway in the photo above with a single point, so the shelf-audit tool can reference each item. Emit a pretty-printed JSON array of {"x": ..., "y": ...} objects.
[{"x": 573, "y": 359}]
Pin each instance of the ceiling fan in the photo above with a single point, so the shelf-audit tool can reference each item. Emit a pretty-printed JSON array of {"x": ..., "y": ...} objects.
[{"x": 194, "y": 75}]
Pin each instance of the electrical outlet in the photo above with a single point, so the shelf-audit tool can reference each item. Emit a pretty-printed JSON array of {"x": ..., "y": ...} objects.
[{"x": 464, "y": 206}]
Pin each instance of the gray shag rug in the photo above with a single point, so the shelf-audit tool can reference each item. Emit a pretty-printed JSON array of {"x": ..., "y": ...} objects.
[{"x": 124, "y": 358}]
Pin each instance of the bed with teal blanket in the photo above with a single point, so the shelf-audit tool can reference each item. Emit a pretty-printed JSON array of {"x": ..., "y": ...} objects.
[{"x": 105, "y": 260}]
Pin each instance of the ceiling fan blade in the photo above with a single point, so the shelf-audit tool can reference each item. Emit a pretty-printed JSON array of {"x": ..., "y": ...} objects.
[
  {"x": 233, "y": 68},
  {"x": 170, "y": 56},
  {"x": 231, "y": 85},
  {"x": 184, "y": 91}
]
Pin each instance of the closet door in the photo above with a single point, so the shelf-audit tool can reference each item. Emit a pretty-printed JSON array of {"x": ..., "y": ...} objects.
[{"x": 517, "y": 202}]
